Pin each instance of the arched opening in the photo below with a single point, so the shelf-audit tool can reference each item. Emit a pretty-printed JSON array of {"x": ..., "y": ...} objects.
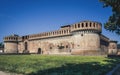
[
  {"x": 86, "y": 24},
  {"x": 90, "y": 24},
  {"x": 78, "y": 25},
  {"x": 81, "y": 34},
  {"x": 93, "y": 24},
  {"x": 26, "y": 46},
  {"x": 82, "y": 25},
  {"x": 66, "y": 46},
  {"x": 39, "y": 51}
]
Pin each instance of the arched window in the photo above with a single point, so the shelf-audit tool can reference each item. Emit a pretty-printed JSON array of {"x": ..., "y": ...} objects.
[
  {"x": 66, "y": 46},
  {"x": 50, "y": 47}
]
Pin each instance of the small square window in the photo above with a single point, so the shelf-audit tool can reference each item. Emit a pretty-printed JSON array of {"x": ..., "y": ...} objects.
[{"x": 81, "y": 34}]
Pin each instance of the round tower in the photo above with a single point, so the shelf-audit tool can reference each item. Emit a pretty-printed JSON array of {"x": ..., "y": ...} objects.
[
  {"x": 112, "y": 47},
  {"x": 11, "y": 44},
  {"x": 86, "y": 38}
]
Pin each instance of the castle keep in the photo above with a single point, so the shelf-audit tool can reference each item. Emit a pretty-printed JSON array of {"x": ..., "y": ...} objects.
[{"x": 83, "y": 38}]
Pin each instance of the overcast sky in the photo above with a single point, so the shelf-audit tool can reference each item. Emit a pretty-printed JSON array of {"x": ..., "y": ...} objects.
[{"x": 25, "y": 17}]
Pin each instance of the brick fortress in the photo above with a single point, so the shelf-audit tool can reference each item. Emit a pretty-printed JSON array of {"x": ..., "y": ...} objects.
[{"x": 83, "y": 38}]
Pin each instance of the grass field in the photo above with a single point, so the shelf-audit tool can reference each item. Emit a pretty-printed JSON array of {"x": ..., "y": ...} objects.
[{"x": 57, "y": 65}]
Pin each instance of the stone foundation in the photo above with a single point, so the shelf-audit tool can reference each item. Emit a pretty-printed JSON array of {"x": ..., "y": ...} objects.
[{"x": 87, "y": 52}]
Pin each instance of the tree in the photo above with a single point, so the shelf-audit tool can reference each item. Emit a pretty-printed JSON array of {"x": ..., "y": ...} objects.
[
  {"x": 1, "y": 45},
  {"x": 113, "y": 23},
  {"x": 118, "y": 46}
]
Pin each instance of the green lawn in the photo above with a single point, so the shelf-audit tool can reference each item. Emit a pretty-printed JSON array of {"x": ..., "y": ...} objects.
[{"x": 57, "y": 65}]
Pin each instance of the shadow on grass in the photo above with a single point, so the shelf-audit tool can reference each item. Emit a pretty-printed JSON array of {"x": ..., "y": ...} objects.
[{"x": 87, "y": 68}]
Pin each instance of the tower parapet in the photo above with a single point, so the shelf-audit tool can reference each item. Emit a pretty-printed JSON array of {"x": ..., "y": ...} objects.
[
  {"x": 87, "y": 26},
  {"x": 11, "y": 44},
  {"x": 86, "y": 36},
  {"x": 11, "y": 38}
]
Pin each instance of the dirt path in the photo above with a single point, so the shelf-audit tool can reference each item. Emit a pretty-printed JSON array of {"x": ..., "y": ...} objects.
[
  {"x": 2, "y": 73},
  {"x": 5, "y": 73},
  {"x": 114, "y": 69}
]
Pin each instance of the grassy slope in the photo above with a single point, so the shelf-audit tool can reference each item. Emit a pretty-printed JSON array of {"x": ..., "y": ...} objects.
[{"x": 57, "y": 65}]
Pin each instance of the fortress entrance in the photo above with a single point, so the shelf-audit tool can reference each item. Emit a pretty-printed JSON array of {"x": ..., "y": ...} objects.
[
  {"x": 39, "y": 51},
  {"x": 26, "y": 46}
]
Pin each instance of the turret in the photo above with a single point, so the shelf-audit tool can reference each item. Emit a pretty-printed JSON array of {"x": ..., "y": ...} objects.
[
  {"x": 86, "y": 37},
  {"x": 112, "y": 47},
  {"x": 11, "y": 44},
  {"x": 90, "y": 26}
]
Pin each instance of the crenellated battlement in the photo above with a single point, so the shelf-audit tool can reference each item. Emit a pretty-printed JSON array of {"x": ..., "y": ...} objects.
[
  {"x": 67, "y": 30},
  {"x": 11, "y": 38},
  {"x": 87, "y": 26},
  {"x": 102, "y": 37},
  {"x": 113, "y": 41},
  {"x": 11, "y": 44},
  {"x": 61, "y": 32}
]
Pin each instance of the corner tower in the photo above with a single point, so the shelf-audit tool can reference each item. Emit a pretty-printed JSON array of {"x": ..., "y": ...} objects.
[
  {"x": 86, "y": 37},
  {"x": 11, "y": 44},
  {"x": 112, "y": 47}
]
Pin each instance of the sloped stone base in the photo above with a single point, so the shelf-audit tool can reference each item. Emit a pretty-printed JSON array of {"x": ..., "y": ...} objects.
[{"x": 87, "y": 52}]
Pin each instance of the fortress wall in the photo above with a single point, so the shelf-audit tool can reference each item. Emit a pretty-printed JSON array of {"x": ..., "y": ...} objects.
[
  {"x": 86, "y": 42},
  {"x": 66, "y": 30},
  {"x": 82, "y": 38},
  {"x": 10, "y": 47},
  {"x": 104, "y": 43},
  {"x": 112, "y": 48},
  {"x": 118, "y": 52},
  {"x": 77, "y": 37},
  {"x": 50, "y": 45},
  {"x": 21, "y": 47}
]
